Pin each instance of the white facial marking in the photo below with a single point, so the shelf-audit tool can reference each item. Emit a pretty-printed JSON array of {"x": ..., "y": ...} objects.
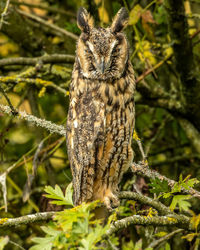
[
  {"x": 90, "y": 46},
  {"x": 104, "y": 122},
  {"x": 75, "y": 123},
  {"x": 113, "y": 45}
]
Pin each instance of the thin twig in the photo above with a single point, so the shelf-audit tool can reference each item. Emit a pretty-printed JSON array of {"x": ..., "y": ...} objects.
[
  {"x": 14, "y": 112},
  {"x": 154, "y": 138},
  {"x": 21, "y": 162},
  {"x": 149, "y": 71},
  {"x": 166, "y": 237},
  {"x": 40, "y": 6},
  {"x": 15, "y": 244},
  {"x": 52, "y": 26},
  {"x": 113, "y": 247},
  {"x": 175, "y": 159},
  {"x": 191, "y": 132},
  {"x": 31, "y": 177},
  {"x": 4, "y": 13}
]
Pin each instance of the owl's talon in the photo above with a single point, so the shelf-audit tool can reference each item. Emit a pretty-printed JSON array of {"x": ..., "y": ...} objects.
[{"x": 111, "y": 202}]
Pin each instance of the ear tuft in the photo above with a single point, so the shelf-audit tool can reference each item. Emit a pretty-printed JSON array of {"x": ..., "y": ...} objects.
[
  {"x": 84, "y": 21},
  {"x": 120, "y": 20}
]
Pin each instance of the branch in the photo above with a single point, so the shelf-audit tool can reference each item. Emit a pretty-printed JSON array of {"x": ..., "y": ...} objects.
[
  {"x": 174, "y": 159},
  {"x": 143, "y": 170},
  {"x": 172, "y": 105},
  {"x": 191, "y": 132},
  {"x": 52, "y": 26},
  {"x": 55, "y": 58},
  {"x": 51, "y": 127},
  {"x": 17, "y": 79},
  {"x": 146, "y": 221},
  {"x": 145, "y": 200},
  {"x": 27, "y": 219},
  {"x": 149, "y": 71},
  {"x": 158, "y": 97}
]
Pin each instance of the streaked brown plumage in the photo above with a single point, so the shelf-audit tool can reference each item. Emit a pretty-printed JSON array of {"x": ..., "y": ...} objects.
[{"x": 101, "y": 113}]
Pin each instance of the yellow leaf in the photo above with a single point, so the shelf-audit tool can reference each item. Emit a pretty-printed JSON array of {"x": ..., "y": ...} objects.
[
  {"x": 135, "y": 14},
  {"x": 42, "y": 92},
  {"x": 8, "y": 48},
  {"x": 135, "y": 136},
  {"x": 160, "y": 234},
  {"x": 144, "y": 52},
  {"x": 190, "y": 237},
  {"x": 195, "y": 220},
  {"x": 3, "y": 220},
  {"x": 97, "y": 2},
  {"x": 57, "y": 40},
  {"x": 103, "y": 14},
  {"x": 168, "y": 51}
]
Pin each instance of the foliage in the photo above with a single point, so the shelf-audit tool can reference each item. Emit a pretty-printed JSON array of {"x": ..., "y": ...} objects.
[
  {"x": 162, "y": 188},
  {"x": 74, "y": 228}
]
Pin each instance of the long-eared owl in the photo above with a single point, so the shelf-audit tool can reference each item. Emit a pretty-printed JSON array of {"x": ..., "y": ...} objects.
[{"x": 101, "y": 114}]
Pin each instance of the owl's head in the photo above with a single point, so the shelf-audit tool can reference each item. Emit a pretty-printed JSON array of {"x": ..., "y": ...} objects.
[{"x": 102, "y": 52}]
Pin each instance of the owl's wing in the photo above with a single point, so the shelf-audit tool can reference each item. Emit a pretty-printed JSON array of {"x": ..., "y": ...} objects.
[{"x": 85, "y": 135}]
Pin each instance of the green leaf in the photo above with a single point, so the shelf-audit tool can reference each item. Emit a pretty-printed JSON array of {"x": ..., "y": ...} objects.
[
  {"x": 160, "y": 234},
  {"x": 180, "y": 200},
  {"x": 176, "y": 188},
  {"x": 161, "y": 15},
  {"x": 135, "y": 14},
  {"x": 138, "y": 245},
  {"x": 167, "y": 246},
  {"x": 69, "y": 194},
  {"x": 50, "y": 230},
  {"x": 3, "y": 242},
  {"x": 42, "y": 243},
  {"x": 158, "y": 186},
  {"x": 58, "y": 196},
  {"x": 190, "y": 183}
]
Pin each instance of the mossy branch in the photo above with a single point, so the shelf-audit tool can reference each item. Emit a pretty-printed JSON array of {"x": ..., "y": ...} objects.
[
  {"x": 117, "y": 225},
  {"x": 27, "y": 219},
  {"x": 48, "y": 125},
  {"x": 36, "y": 81},
  {"x": 145, "y": 200},
  {"x": 144, "y": 170},
  {"x": 147, "y": 221},
  {"x": 54, "y": 58}
]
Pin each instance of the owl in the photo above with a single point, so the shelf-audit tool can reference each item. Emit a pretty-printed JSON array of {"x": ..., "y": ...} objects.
[{"x": 101, "y": 112}]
